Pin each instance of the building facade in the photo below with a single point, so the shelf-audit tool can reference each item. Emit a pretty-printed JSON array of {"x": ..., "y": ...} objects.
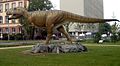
[
  {"x": 10, "y": 26},
  {"x": 88, "y": 8}
]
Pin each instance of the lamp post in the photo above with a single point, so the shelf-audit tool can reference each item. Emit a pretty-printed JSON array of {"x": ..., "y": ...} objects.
[
  {"x": 8, "y": 28},
  {"x": 115, "y": 23},
  {"x": 113, "y": 16},
  {"x": 1, "y": 35}
]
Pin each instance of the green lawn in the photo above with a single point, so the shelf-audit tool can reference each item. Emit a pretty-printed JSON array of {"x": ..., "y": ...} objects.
[{"x": 96, "y": 56}]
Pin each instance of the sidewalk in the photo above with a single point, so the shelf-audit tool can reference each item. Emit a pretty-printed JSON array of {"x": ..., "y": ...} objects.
[
  {"x": 102, "y": 45},
  {"x": 16, "y": 47}
]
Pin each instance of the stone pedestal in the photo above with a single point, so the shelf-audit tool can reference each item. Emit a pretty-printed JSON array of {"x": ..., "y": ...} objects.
[{"x": 58, "y": 48}]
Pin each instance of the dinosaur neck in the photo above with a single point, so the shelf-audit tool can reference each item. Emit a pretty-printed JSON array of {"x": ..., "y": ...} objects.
[{"x": 26, "y": 14}]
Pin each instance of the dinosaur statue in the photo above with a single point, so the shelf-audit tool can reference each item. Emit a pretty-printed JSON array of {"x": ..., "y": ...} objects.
[{"x": 52, "y": 19}]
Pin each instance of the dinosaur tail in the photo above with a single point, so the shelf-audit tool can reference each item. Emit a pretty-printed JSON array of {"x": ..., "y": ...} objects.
[{"x": 81, "y": 19}]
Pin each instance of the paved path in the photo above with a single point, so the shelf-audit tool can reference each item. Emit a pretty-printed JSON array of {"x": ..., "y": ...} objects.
[
  {"x": 16, "y": 47},
  {"x": 101, "y": 45},
  {"x": 19, "y": 42},
  {"x": 83, "y": 44}
]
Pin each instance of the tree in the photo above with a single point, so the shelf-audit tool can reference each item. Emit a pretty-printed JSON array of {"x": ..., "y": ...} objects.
[
  {"x": 26, "y": 28},
  {"x": 119, "y": 36},
  {"x": 115, "y": 36},
  {"x": 115, "y": 27},
  {"x": 104, "y": 28},
  {"x": 34, "y": 5},
  {"x": 97, "y": 37}
]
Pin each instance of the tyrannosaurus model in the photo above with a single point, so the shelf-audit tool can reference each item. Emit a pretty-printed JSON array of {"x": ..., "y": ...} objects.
[{"x": 52, "y": 19}]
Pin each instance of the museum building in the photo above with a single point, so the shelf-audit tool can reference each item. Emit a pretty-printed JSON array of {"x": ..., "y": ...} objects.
[
  {"x": 88, "y": 8},
  {"x": 10, "y": 26}
]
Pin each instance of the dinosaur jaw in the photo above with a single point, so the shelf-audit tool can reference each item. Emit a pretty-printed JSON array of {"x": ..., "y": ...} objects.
[{"x": 14, "y": 16}]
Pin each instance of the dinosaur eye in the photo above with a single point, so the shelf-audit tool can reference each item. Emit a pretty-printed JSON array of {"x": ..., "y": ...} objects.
[{"x": 15, "y": 8}]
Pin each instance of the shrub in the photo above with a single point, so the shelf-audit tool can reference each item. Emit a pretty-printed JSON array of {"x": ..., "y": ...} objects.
[
  {"x": 5, "y": 36},
  {"x": 97, "y": 37},
  {"x": 118, "y": 35},
  {"x": 114, "y": 37},
  {"x": 12, "y": 37},
  {"x": 18, "y": 36}
]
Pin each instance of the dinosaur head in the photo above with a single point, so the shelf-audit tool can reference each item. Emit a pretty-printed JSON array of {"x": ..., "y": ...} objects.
[{"x": 16, "y": 12}]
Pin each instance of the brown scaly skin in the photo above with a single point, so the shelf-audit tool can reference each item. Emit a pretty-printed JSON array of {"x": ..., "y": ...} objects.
[{"x": 52, "y": 19}]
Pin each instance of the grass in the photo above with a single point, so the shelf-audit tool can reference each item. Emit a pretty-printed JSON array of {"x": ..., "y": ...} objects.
[{"x": 96, "y": 56}]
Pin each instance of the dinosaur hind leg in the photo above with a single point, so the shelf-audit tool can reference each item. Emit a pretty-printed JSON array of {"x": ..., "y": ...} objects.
[
  {"x": 63, "y": 31},
  {"x": 49, "y": 34}
]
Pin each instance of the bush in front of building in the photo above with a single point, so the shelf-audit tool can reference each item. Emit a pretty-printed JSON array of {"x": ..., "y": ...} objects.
[
  {"x": 119, "y": 36},
  {"x": 97, "y": 37},
  {"x": 114, "y": 37},
  {"x": 13, "y": 36},
  {"x": 18, "y": 36},
  {"x": 5, "y": 36}
]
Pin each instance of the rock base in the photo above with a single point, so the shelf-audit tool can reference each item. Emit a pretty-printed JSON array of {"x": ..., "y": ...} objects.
[{"x": 53, "y": 48}]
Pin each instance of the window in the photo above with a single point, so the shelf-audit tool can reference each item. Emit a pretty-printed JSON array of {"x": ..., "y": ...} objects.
[
  {"x": 7, "y": 30},
  {"x": 7, "y": 0},
  {"x": 20, "y": 29},
  {"x": 1, "y": 7},
  {"x": 6, "y": 19},
  {"x": 13, "y": 21},
  {"x": 13, "y": 30},
  {"x": 13, "y": 5},
  {"x": 1, "y": 30},
  {"x": 1, "y": 19},
  {"x": 20, "y": 4},
  {"x": 6, "y": 7},
  {"x": 0, "y": 0}
]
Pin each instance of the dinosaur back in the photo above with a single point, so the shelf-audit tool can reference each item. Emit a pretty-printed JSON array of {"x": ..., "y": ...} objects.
[{"x": 82, "y": 19}]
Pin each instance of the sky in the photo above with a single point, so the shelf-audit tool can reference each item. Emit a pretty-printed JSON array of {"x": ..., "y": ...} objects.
[
  {"x": 110, "y": 7},
  {"x": 56, "y": 4}
]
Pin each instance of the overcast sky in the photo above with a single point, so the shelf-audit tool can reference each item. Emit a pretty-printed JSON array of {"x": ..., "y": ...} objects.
[
  {"x": 56, "y": 3},
  {"x": 110, "y": 7}
]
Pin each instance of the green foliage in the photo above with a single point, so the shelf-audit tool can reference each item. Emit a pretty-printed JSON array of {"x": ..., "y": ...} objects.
[
  {"x": 18, "y": 36},
  {"x": 12, "y": 37},
  {"x": 5, "y": 36},
  {"x": 97, "y": 37},
  {"x": 114, "y": 37},
  {"x": 27, "y": 29},
  {"x": 114, "y": 27},
  {"x": 118, "y": 35},
  {"x": 104, "y": 28},
  {"x": 36, "y": 5}
]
